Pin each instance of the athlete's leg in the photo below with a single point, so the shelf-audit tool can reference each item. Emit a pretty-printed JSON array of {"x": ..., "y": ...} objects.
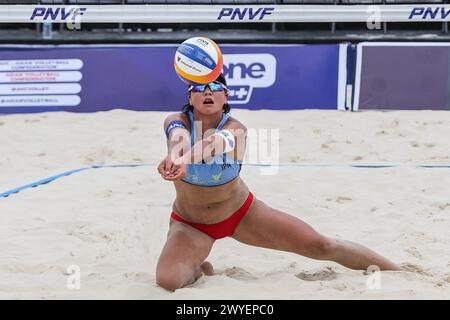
[
  {"x": 182, "y": 259},
  {"x": 270, "y": 228}
]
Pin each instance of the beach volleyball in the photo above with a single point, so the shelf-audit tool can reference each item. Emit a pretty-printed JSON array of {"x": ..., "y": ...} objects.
[{"x": 198, "y": 60}]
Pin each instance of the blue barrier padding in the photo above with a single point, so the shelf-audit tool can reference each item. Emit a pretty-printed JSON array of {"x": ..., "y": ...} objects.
[{"x": 304, "y": 165}]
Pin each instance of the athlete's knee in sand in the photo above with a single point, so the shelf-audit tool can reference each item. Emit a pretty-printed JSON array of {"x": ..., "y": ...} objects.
[{"x": 182, "y": 260}]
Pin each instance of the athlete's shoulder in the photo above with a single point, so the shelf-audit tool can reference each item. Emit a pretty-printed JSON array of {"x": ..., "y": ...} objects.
[
  {"x": 234, "y": 124},
  {"x": 178, "y": 116}
]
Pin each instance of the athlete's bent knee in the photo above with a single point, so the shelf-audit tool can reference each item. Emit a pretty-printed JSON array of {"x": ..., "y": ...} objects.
[{"x": 168, "y": 281}]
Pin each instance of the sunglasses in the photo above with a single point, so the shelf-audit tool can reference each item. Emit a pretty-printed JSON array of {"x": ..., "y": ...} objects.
[{"x": 213, "y": 86}]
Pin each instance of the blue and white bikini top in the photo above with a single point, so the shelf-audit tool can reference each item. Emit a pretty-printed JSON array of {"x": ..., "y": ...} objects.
[{"x": 219, "y": 170}]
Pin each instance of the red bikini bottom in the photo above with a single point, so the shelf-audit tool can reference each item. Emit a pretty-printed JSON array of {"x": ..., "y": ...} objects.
[{"x": 223, "y": 228}]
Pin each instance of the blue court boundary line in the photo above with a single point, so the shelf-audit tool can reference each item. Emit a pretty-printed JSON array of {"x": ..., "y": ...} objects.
[{"x": 303, "y": 165}]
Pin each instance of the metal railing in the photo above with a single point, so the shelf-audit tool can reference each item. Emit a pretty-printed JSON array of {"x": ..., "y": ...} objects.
[{"x": 270, "y": 31}]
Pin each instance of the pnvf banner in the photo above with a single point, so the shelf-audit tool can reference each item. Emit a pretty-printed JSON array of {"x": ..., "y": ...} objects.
[
  {"x": 94, "y": 78},
  {"x": 226, "y": 13},
  {"x": 402, "y": 76}
]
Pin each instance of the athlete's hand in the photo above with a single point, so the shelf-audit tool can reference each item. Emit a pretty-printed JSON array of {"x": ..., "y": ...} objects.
[
  {"x": 171, "y": 172},
  {"x": 178, "y": 172},
  {"x": 165, "y": 168}
]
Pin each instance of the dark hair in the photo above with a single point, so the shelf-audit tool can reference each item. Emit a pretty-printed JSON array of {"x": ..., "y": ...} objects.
[
  {"x": 221, "y": 79},
  {"x": 226, "y": 107}
]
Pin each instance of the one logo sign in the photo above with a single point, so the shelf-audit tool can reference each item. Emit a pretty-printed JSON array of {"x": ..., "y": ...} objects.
[{"x": 245, "y": 72}]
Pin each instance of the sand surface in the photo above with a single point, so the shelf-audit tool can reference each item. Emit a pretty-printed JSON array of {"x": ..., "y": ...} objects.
[{"x": 111, "y": 223}]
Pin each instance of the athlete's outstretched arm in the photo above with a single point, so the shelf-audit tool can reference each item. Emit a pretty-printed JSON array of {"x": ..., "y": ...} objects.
[
  {"x": 231, "y": 139},
  {"x": 202, "y": 150},
  {"x": 178, "y": 142}
]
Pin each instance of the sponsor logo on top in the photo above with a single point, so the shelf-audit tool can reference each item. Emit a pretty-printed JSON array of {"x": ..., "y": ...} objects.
[{"x": 202, "y": 42}]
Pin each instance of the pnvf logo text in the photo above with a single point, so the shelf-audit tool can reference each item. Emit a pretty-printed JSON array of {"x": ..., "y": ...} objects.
[
  {"x": 57, "y": 14},
  {"x": 244, "y": 13},
  {"x": 430, "y": 13}
]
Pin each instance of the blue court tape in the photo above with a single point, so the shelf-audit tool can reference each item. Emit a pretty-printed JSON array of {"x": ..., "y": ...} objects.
[
  {"x": 40, "y": 182},
  {"x": 304, "y": 165}
]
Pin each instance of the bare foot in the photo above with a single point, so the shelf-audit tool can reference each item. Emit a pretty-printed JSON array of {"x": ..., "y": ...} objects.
[{"x": 207, "y": 268}]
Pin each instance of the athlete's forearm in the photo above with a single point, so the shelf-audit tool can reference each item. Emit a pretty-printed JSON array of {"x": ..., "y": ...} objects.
[
  {"x": 201, "y": 150},
  {"x": 178, "y": 144}
]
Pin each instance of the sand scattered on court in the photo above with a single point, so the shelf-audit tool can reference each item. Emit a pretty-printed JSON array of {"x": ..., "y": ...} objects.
[{"x": 111, "y": 223}]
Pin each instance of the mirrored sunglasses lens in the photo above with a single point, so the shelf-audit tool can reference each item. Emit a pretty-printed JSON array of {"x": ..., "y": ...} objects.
[
  {"x": 212, "y": 86},
  {"x": 198, "y": 88},
  {"x": 216, "y": 87}
]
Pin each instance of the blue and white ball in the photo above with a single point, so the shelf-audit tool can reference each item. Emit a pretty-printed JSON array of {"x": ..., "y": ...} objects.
[{"x": 198, "y": 60}]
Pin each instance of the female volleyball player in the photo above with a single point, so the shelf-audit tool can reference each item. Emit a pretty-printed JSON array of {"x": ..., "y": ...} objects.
[{"x": 213, "y": 202}]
